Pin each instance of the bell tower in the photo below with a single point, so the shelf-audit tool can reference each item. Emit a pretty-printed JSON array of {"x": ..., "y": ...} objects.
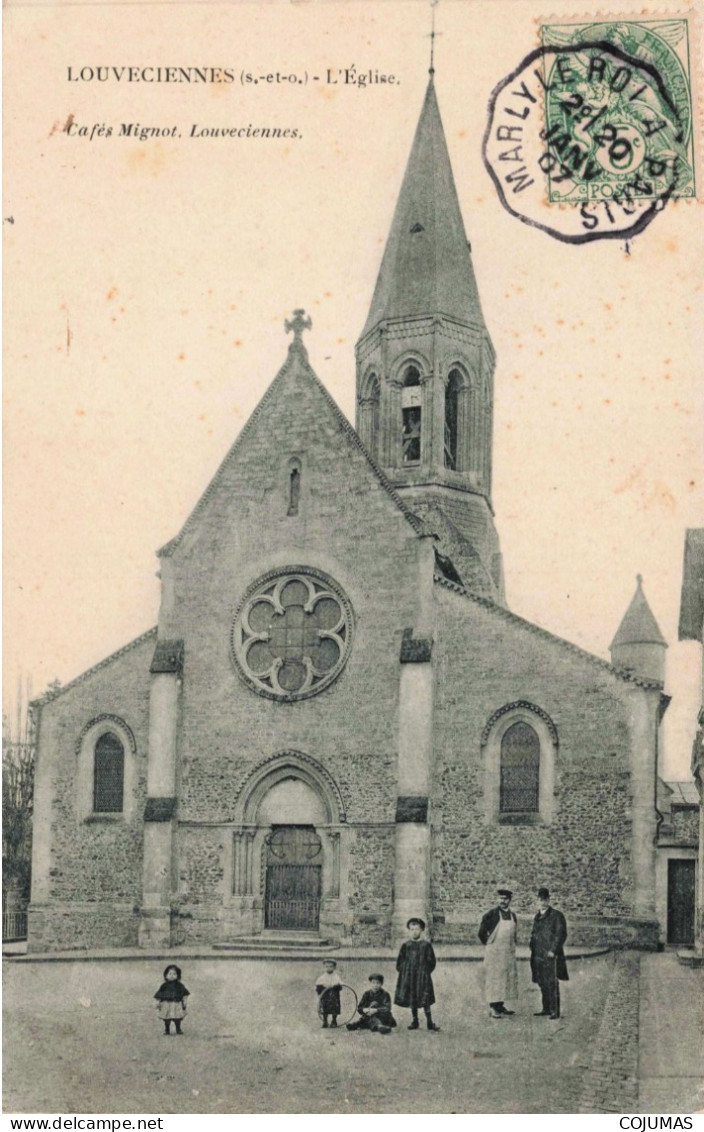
[{"x": 425, "y": 366}]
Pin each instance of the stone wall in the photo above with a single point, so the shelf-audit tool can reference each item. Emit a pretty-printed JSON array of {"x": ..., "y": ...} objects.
[
  {"x": 685, "y": 824},
  {"x": 371, "y": 885},
  {"x": 87, "y": 875},
  {"x": 346, "y": 525},
  {"x": 349, "y": 528},
  {"x": 201, "y": 855},
  {"x": 612, "y": 932},
  {"x": 485, "y": 660},
  {"x": 82, "y": 926}
]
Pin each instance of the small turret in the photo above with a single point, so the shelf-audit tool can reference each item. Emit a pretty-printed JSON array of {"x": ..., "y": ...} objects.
[{"x": 639, "y": 646}]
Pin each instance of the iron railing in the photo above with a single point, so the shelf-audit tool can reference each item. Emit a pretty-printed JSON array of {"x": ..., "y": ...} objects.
[
  {"x": 294, "y": 915},
  {"x": 14, "y": 926}
]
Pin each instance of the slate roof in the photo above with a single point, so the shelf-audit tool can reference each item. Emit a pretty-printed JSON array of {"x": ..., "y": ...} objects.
[
  {"x": 513, "y": 618},
  {"x": 683, "y": 793},
  {"x": 47, "y": 698},
  {"x": 427, "y": 265},
  {"x": 297, "y": 359},
  {"x": 638, "y": 626}
]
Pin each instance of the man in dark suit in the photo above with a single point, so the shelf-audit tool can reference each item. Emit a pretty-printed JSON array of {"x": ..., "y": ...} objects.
[{"x": 547, "y": 956}]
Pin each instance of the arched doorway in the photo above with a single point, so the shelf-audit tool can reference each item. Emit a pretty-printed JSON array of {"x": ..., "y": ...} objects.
[
  {"x": 291, "y": 811},
  {"x": 294, "y": 859},
  {"x": 289, "y": 851}
]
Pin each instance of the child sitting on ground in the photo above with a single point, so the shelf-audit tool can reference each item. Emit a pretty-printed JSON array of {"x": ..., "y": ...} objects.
[
  {"x": 375, "y": 1009},
  {"x": 327, "y": 988}
]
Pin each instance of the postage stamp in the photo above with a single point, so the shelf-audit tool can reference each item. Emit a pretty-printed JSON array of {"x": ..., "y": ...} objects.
[
  {"x": 591, "y": 135},
  {"x": 633, "y": 121}
]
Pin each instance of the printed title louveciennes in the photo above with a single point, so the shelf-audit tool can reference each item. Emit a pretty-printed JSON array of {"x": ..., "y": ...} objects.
[{"x": 329, "y": 76}]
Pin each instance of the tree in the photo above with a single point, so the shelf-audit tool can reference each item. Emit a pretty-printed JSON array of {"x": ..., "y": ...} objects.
[
  {"x": 17, "y": 805},
  {"x": 18, "y": 756}
]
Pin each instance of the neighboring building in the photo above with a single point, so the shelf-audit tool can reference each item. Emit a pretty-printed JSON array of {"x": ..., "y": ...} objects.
[
  {"x": 676, "y": 865},
  {"x": 337, "y": 722},
  {"x": 691, "y": 628}
]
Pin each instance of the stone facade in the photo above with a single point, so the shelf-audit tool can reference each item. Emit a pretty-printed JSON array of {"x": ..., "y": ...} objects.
[
  {"x": 87, "y": 867},
  {"x": 318, "y": 734},
  {"x": 583, "y": 847}
]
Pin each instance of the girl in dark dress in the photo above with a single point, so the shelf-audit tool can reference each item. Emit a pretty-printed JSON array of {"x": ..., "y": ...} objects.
[
  {"x": 415, "y": 963},
  {"x": 171, "y": 999}
]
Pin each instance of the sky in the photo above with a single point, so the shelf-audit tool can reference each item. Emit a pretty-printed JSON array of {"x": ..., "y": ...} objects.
[{"x": 147, "y": 282}]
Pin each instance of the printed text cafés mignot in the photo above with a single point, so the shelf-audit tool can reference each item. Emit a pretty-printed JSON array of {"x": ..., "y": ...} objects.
[{"x": 135, "y": 130}]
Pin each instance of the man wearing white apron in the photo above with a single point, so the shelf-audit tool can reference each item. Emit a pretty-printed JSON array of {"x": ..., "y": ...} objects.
[{"x": 497, "y": 932}]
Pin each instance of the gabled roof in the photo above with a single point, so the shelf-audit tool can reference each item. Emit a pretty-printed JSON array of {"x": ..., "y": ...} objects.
[
  {"x": 638, "y": 626},
  {"x": 49, "y": 696},
  {"x": 458, "y": 548},
  {"x": 506, "y": 615},
  {"x": 296, "y": 366},
  {"x": 427, "y": 265},
  {"x": 683, "y": 793}
]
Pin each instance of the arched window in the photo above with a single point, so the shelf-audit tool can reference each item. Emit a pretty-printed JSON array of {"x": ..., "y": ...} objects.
[
  {"x": 520, "y": 747},
  {"x": 411, "y": 411},
  {"x": 453, "y": 391},
  {"x": 108, "y": 774},
  {"x": 294, "y": 487},
  {"x": 520, "y": 771},
  {"x": 373, "y": 427},
  {"x": 368, "y": 414}
]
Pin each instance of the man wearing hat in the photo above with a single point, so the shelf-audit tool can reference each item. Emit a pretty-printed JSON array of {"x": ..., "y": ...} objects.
[
  {"x": 547, "y": 956},
  {"x": 497, "y": 932}
]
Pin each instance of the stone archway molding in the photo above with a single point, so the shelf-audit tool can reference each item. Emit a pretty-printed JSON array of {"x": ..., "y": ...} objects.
[
  {"x": 85, "y": 756},
  {"x": 282, "y": 765},
  {"x": 491, "y": 740},
  {"x": 516, "y": 708},
  {"x": 117, "y": 723}
]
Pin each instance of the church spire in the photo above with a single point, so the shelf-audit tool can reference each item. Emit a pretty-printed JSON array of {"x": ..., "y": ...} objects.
[
  {"x": 427, "y": 265},
  {"x": 425, "y": 365}
]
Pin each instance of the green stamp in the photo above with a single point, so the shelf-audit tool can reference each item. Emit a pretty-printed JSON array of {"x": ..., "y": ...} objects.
[{"x": 630, "y": 131}]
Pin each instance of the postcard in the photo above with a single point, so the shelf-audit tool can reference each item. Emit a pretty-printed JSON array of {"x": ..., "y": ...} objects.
[{"x": 353, "y": 544}]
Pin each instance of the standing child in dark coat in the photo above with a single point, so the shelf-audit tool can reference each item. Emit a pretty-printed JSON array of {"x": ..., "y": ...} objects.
[
  {"x": 414, "y": 986},
  {"x": 171, "y": 999}
]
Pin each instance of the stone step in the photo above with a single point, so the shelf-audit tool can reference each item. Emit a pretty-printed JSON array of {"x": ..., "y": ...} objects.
[
  {"x": 691, "y": 957},
  {"x": 276, "y": 941}
]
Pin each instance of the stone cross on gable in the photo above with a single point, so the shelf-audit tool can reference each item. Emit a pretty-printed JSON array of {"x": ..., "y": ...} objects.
[{"x": 298, "y": 324}]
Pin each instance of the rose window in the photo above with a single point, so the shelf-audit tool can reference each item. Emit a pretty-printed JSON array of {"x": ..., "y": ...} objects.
[{"x": 292, "y": 634}]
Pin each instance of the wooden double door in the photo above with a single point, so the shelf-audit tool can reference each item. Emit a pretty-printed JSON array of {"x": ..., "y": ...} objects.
[{"x": 294, "y": 866}]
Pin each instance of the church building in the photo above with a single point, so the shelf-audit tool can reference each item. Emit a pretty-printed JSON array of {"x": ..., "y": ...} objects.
[{"x": 337, "y": 722}]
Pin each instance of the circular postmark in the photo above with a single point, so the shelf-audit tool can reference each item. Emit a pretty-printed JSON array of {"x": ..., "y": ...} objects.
[{"x": 584, "y": 142}]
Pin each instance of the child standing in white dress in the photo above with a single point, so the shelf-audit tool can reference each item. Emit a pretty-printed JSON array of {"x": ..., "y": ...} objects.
[{"x": 327, "y": 988}]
